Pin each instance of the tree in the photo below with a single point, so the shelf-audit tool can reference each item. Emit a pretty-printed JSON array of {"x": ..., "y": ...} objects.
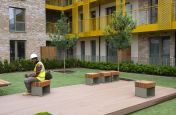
[
  {"x": 61, "y": 38},
  {"x": 118, "y": 33}
]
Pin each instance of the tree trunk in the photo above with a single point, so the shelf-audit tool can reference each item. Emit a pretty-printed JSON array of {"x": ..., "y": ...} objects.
[
  {"x": 119, "y": 57},
  {"x": 64, "y": 61}
]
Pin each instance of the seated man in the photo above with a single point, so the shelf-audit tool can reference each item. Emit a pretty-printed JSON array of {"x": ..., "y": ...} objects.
[{"x": 38, "y": 75}]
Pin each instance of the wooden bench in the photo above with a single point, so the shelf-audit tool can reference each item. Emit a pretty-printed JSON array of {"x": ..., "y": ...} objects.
[
  {"x": 105, "y": 76},
  {"x": 92, "y": 78},
  {"x": 40, "y": 88},
  {"x": 115, "y": 75},
  {"x": 144, "y": 88},
  {"x": 4, "y": 83}
]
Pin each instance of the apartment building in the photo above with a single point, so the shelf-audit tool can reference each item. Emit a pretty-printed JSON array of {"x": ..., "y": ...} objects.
[
  {"x": 25, "y": 25},
  {"x": 153, "y": 38},
  {"x": 22, "y": 28}
]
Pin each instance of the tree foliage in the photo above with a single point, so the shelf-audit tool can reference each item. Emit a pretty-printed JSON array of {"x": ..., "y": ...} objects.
[
  {"x": 118, "y": 33},
  {"x": 61, "y": 38}
]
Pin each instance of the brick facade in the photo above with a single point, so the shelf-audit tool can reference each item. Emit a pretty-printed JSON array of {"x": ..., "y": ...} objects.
[{"x": 35, "y": 26}]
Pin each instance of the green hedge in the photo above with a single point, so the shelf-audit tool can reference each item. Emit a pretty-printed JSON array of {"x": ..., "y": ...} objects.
[
  {"x": 134, "y": 68},
  {"x": 17, "y": 65},
  {"x": 26, "y": 65}
]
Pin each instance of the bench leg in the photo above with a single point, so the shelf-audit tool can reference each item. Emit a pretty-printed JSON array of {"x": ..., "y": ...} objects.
[
  {"x": 37, "y": 91},
  {"x": 91, "y": 81},
  {"x": 46, "y": 89},
  {"x": 115, "y": 78},
  {"x": 144, "y": 92},
  {"x": 40, "y": 91},
  {"x": 106, "y": 79},
  {"x": 151, "y": 91}
]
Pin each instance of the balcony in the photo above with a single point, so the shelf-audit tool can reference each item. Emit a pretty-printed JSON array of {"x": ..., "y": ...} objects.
[
  {"x": 50, "y": 27},
  {"x": 146, "y": 19}
]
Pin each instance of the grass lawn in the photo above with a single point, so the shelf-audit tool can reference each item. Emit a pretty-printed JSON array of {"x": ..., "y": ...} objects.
[{"x": 60, "y": 79}]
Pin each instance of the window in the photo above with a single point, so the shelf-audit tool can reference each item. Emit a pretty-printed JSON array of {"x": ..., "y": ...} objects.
[
  {"x": 111, "y": 54},
  {"x": 109, "y": 11},
  {"x": 93, "y": 50},
  {"x": 93, "y": 20},
  {"x": 16, "y": 19},
  {"x": 83, "y": 50},
  {"x": 70, "y": 53},
  {"x": 129, "y": 8},
  {"x": 81, "y": 22},
  {"x": 160, "y": 51},
  {"x": 67, "y": 2},
  {"x": 153, "y": 11},
  {"x": 17, "y": 50},
  {"x": 69, "y": 21}
]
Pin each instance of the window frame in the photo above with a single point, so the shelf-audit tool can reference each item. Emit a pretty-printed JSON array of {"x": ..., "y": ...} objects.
[{"x": 15, "y": 30}]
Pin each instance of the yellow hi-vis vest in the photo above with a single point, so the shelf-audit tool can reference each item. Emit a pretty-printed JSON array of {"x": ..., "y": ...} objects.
[{"x": 41, "y": 75}]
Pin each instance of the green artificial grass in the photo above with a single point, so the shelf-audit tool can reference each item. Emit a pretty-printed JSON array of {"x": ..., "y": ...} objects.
[
  {"x": 59, "y": 79},
  {"x": 165, "y": 108},
  {"x": 43, "y": 113},
  {"x": 77, "y": 77},
  {"x": 160, "y": 80}
]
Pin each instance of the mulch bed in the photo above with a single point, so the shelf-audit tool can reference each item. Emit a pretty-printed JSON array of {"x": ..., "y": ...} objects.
[{"x": 66, "y": 71}]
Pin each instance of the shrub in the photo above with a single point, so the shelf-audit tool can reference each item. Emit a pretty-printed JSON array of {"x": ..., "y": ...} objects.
[
  {"x": 130, "y": 67},
  {"x": 26, "y": 65}
]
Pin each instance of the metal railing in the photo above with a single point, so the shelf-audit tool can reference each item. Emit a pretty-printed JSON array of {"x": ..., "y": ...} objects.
[
  {"x": 168, "y": 61},
  {"x": 50, "y": 27},
  {"x": 174, "y": 10},
  {"x": 140, "y": 16}
]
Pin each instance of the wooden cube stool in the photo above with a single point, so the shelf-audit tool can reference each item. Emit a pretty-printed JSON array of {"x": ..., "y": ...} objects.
[
  {"x": 144, "y": 88},
  {"x": 115, "y": 75},
  {"x": 92, "y": 78},
  {"x": 105, "y": 76},
  {"x": 40, "y": 88}
]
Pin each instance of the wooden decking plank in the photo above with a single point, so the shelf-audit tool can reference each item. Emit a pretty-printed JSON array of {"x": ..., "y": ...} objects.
[{"x": 107, "y": 98}]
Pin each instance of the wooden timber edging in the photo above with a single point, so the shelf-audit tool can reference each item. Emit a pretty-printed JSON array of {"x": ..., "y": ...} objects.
[
  {"x": 143, "y": 105},
  {"x": 4, "y": 83}
]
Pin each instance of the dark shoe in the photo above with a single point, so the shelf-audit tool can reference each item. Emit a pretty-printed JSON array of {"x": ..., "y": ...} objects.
[
  {"x": 26, "y": 75},
  {"x": 26, "y": 94}
]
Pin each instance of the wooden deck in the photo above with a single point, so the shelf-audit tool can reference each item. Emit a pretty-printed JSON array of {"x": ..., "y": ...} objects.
[{"x": 116, "y": 98}]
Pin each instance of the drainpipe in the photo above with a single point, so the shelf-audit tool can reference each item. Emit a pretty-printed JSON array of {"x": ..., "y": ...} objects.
[
  {"x": 175, "y": 49},
  {"x": 99, "y": 8}
]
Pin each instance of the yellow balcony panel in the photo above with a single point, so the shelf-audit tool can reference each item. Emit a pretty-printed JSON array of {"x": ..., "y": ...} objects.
[
  {"x": 93, "y": 0},
  {"x": 84, "y": 34},
  {"x": 80, "y": 3},
  {"x": 52, "y": 7},
  {"x": 50, "y": 27},
  {"x": 146, "y": 28},
  {"x": 174, "y": 25},
  {"x": 68, "y": 7},
  {"x": 96, "y": 33}
]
